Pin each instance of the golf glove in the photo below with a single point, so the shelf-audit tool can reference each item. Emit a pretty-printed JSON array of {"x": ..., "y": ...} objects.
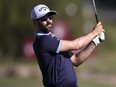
[
  {"x": 98, "y": 39},
  {"x": 102, "y": 36}
]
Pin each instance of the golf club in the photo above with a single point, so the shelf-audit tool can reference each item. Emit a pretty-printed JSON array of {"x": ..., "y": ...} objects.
[
  {"x": 97, "y": 20},
  {"x": 95, "y": 10}
]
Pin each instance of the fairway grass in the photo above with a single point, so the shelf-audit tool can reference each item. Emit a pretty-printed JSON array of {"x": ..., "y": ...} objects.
[
  {"x": 98, "y": 71},
  {"x": 36, "y": 82}
]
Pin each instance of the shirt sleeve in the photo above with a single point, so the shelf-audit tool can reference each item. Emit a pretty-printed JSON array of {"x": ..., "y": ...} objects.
[
  {"x": 51, "y": 44},
  {"x": 67, "y": 54}
]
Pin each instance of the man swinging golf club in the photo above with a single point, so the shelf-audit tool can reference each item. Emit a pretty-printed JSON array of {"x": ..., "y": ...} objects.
[{"x": 55, "y": 56}]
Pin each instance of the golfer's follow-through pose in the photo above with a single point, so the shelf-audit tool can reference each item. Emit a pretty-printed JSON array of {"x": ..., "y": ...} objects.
[{"x": 55, "y": 56}]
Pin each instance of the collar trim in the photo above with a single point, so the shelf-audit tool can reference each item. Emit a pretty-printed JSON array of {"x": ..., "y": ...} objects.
[{"x": 41, "y": 34}]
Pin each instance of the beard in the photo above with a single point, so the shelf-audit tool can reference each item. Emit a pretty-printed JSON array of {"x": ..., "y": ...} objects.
[{"x": 45, "y": 28}]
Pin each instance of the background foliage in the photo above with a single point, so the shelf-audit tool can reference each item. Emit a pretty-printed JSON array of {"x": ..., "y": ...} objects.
[{"x": 16, "y": 26}]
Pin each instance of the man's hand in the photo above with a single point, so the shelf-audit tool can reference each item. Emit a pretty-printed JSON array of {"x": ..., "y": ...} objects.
[
  {"x": 98, "y": 28},
  {"x": 99, "y": 38}
]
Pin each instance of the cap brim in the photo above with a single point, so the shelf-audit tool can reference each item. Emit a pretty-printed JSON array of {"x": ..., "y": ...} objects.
[{"x": 51, "y": 13}]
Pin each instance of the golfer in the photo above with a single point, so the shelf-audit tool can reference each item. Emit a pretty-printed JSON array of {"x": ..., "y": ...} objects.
[{"x": 55, "y": 56}]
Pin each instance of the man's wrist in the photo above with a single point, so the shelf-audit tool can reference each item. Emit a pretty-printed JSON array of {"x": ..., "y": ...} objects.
[
  {"x": 93, "y": 43},
  {"x": 96, "y": 40}
]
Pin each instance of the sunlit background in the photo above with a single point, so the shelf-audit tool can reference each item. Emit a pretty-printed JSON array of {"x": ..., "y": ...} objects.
[{"x": 18, "y": 65}]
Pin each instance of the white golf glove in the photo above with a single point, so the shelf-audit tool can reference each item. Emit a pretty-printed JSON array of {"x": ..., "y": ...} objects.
[
  {"x": 98, "y": 39},
  {"x": 102, "y": 36}
]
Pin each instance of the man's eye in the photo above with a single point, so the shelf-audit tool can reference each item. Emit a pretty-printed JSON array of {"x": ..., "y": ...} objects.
[
  {"x": 51, "y": 17},
  {"x": 45, "y": 19}
]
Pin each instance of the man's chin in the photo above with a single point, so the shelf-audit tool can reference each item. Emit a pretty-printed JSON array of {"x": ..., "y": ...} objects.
[{"x": 49, "y": 28}]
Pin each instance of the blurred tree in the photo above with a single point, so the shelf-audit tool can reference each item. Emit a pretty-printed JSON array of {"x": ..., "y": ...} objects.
[{"x": 16, "y": 24}]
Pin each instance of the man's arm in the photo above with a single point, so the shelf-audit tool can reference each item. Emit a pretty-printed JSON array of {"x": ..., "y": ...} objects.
[
  {"x": 83, "y": 55},
  {"x": 82, "y": 41},
  {"x": 80, "y": 56}
]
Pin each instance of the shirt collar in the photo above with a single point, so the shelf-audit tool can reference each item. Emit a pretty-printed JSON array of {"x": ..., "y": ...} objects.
[{"x": 41, "y": 34}]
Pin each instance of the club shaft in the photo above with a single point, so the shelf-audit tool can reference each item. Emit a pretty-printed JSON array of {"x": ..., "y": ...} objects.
[{"x": 95, "y": 10}]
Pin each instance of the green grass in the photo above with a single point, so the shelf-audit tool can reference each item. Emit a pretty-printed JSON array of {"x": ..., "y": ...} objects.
[
  {"x": 36, "y": 82},
  {"x": 92, "y": 84},
  {"x": 92, "y": 73},
  {"x": 19, "y": 82}
]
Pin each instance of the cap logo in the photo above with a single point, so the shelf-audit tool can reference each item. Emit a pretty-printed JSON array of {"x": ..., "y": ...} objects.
[{"x": 43, "y": 8}]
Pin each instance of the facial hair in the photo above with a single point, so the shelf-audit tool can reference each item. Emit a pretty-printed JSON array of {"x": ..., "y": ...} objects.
[{"x": 44, "y": 28}]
